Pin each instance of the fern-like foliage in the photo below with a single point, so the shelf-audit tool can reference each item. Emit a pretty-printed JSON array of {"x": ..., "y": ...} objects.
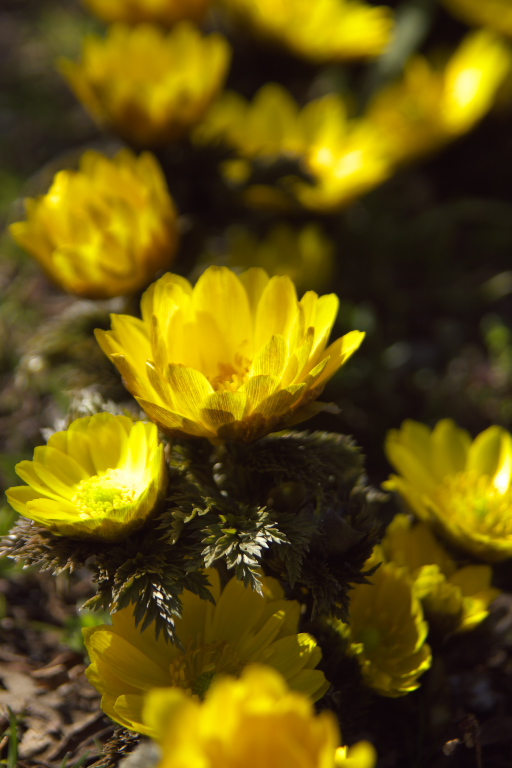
[
  {"x": 239, "y": 539},
  {"x": 296, "y": 505}
]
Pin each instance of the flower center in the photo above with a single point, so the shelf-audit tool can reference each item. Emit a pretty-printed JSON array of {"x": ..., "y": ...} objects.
[
  {"x": 194, "y": 669},
  {"x": 231, "y": 376},
  {"x": 98, "y": 495},
  {"x": 477, "y": 502}
]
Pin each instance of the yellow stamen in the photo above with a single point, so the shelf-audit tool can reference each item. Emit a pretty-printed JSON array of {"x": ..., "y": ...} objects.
[{"x": 112, "y": 490}]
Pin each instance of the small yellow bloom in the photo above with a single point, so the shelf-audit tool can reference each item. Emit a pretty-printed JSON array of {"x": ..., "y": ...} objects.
[
  {"x": 321, "y": 31},
  {"x": 462, "y": 488},
  {"x": 235, "y": 357},
  {"x": 346, "y": 158},
  {"x": 149, "y": 86},
  {"x": 495, "y": 14},
  {"x": 305, "y": 255},
  {"x": 344, "y": 166},
  {"x": 270, "y": 126},
  {"x": 253, "y": 721},
  {"x": 387, "y": 630},
  {"x": 101, "y": 478},
  {"x": 104, "y": 230},
  {"x": 459, "y": 596},
  {"x": 242, "y": 627},
  {"x": 430, "y": 107},
  {"x": 166, "y": 12}
]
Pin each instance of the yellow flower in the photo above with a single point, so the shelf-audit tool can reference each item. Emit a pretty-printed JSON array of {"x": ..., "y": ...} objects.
[
  {"x": 460, "y": 596},
  {"x": 321, "y": 31},
  {"x": 462, "y": 488},
  {"x": 147, "y": 85},
  {"x": 253, "y": 721},
  {"x": 236, "y": 357},
  {"x": 271, "y": 125},
  {"x": 495, "y": 14},
  {"x": 104, "y": 230},
  {"x": 165, "y": 12},
  {"x": 101, "y": 478},
  {"x": 387, "y": 630},
  {"x": 344, "y": 167},
  {"x": 346, "y": 158},
  {"x": 305, "y": 255},
  {"x": 430, "y": 107},
  {"x": 241, "y": 627}
]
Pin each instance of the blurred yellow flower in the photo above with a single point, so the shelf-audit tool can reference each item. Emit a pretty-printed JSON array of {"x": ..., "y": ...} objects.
[
  {"x": 343, "y": 167},
  {"x": 462, "y": 488},
  {"x": 147, "y": 85},
  {"x": 387, "y": 630},
  {"x": 166, "y": 12},
  {"x": 495, "y": 14},
  {"x": 271, "y": 125},
  {"x": 104, "y": 230},
  {"x": 344, "y": 157},
  {"x": 430, "y": 106},
  {"x": 459, "y": 596},
  {"x": 101, "y": 478},
  {"x": 235, "y": 357},
  {"x": 251, "y": 721},
  {"x": 306, "y": 255},
  {"x": 321, "y": 31},
  {"x": 241, "y": 627}
]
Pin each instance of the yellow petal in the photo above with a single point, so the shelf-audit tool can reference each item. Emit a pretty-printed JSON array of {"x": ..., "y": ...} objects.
[
  {"x": 172, "y": 422},
  {"x": 126, "y": 709},
  {"x": 254, "y": 281},
  {"x": 19, "y": 496},
  {"x": 220, "y": 297},
  {"x": 484, "y": 453},
  {"x": 126, "y": 661},
  {"x": 450, "y": 446},
  {"x": 161, "y": 707},
  {"x": 238, "y": 610},
  {"x": 279, "y": 404},
  {"x": 311, "y": 682},
  {"x": 52, "y": 513},
  {"x": 160, "y": 297},
  {"x": 276, "y": 310},
  {"x": 63, "y": 469},
  {"x": 190, "y": 389},
  {"x": 25, "y": 470},
  {"x": 258, "y": 388},
  {"x": 221, "y": 408},
  {"x": 271, "y": 359},
  {"x": 339, "y": 352},
  {"x": 288, "y": 654}
]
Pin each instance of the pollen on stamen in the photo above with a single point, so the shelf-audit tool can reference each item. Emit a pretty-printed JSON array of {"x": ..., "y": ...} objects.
[{"x": 100, "y": 494}]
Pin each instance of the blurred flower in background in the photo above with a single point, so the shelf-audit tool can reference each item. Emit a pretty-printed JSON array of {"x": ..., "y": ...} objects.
[
  {"x": 343, "y": 167},
  {"x": 321, "y": 31},
  {"x": 166, "y": 12},
  {"x": 235, "y": 357},
  {"x": 461, "y": 487},
  {"x": 387, "y": 630},
  {"x": 104, "y": 230},
  {"x": 343, "y": 157},
  {"x": 149, "y": 86},
  {"x": 270, "y": 125},
  {"x": 306, "y": 255},
  {"x": 458, "y": 597},
  {"x": 495, "y": 14},
  {"x": 431, "y": 106},
  {"x": 222, "y": 638},
  {"x": 255, "y": 720},
  {"x": 101, "y": 478}
]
